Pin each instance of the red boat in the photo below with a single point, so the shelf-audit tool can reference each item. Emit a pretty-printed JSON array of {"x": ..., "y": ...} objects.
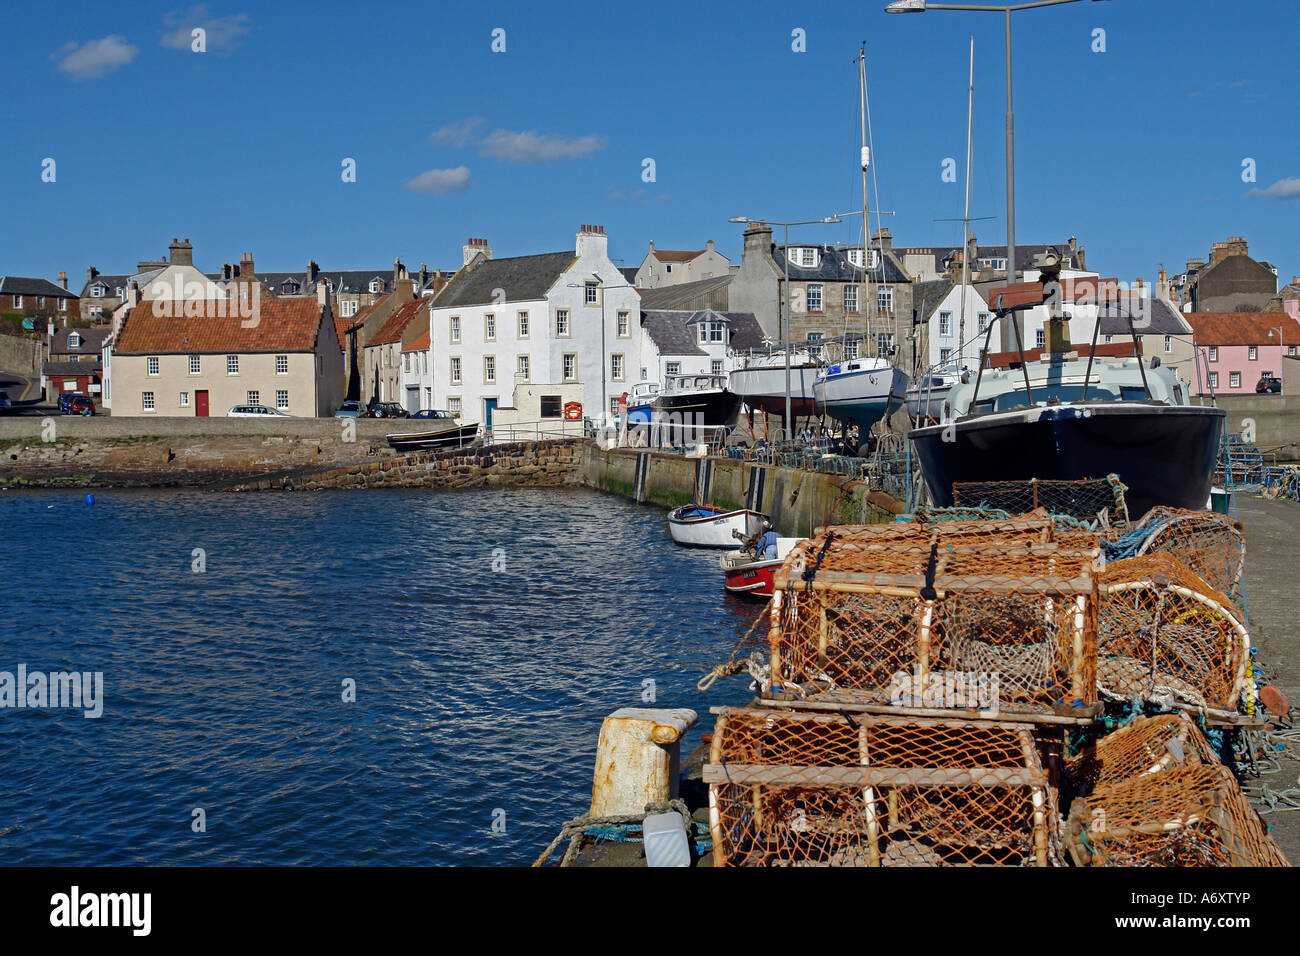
[{"x": 747, "y": 575}]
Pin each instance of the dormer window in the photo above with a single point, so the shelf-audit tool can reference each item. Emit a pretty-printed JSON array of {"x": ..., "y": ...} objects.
[
  {"x": 855, "y": 258},
  {"x": 74, "y": 340},
  {"x": 289, "y": 287},
  {"x": 97, "y": 291},
  {"x": 376, "y": 285},
  {"x": 805, "y": 256}
]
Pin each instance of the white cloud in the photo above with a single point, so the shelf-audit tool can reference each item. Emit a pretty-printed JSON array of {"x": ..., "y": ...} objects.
[
  {"x": 529, "y": 147},
  {"x": 458, "y": 133},
  {"x": 221, "y": 31},
  {"x": 95, "y": 58},
  {"x": 438, "y": 182},
  {"x": 1288, "y": 188}
]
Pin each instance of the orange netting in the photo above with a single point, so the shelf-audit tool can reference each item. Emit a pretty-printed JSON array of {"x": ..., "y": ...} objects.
[
  {"x": 1192, "y": 815},
  {"x": 1148, "y": 745},
  {"x": 802, "y": 789},
  {"x": 912, "y": 612},
  {"x": 1166, "y": 636},
  {"x": 1207, "y": 543}
]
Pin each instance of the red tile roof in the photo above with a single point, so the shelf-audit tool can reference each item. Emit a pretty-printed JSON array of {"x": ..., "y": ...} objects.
[
  {"x": 676, "y": 255},
  {"x": 1243, "y": 328},
  {"x": 1113, "y": 350},
  {"x": 278, "y": 325},
  {"x": 341, "y": 326},
  {"x": 395, "y": 325},
  {"x": 420, "y": 344}
]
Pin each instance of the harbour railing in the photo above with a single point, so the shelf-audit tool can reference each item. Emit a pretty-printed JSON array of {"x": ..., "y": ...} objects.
[{"x": 543, "y": 430}]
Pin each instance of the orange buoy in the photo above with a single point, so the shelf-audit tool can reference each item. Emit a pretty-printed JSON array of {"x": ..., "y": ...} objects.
[{"x": 1273, "y": 698}]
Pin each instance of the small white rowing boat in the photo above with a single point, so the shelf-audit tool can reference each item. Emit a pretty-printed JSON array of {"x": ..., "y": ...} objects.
[{"x": 708, "y": 526}]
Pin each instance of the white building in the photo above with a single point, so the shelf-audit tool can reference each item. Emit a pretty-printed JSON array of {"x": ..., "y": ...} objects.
[
  {"x": 953, "y": 336},
  {"x": 560, "y": 318},
  {"x": 417, "y": 375},
  {"x": 698, "y": 342}
]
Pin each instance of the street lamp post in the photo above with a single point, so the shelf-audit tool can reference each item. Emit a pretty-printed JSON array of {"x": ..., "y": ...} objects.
[
  {"x": 1281, "y": 355},
  {"x": 785, "y": 259},
  {"x": 922, "y": 6}
]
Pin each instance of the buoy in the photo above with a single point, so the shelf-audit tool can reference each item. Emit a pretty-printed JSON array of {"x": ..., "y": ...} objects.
[
  {"x": 90, "y": 499},
  {"x": 1273, "y": 698}
]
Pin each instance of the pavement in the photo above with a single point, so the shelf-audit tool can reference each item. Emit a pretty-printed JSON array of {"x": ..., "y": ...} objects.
[{"x": 1272, "y": 532}]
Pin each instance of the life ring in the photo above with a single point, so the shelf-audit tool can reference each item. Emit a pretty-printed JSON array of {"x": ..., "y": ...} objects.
[{"x": 573, "y": 411}]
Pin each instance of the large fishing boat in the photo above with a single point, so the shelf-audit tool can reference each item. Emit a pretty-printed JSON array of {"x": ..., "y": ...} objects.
[
  {"x": 694, "y": 408},
  {"x": 1069, "y": 417},
  {"x": 761, "y": 383}
]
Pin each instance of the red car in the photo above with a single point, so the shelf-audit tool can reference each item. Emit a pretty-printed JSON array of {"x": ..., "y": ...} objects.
[{"x": 79, "y": 405}]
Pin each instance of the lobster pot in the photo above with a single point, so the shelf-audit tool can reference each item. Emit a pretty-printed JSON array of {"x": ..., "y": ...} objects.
[
  {"x": 1083, "y": 499},
  {"x": 946, "y": 620},
  {"x": 1148, "y": 745},
  {"x": 1167, "y": 637},
  {"x": 1184, "y": 816},
  {"x": 1208, "y": 544},
  {"x": 804, "y": 789}
]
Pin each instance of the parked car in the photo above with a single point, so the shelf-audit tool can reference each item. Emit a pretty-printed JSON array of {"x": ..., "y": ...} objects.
[
  {"x": 349, "y": 410},
  {"x": 254, "y": 411},
  {"x": 428, "y": 413},
  {"x": 78, "y": 405},
  {"x": 1268, "y": 385},
  {"x": 6, "y": 404},
  {"x": 66, "y": 398},
  {"x": 388, "y": 410}
]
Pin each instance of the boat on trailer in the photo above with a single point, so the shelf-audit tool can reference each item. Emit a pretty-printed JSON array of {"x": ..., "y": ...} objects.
[{"x": 708, "y": 526}]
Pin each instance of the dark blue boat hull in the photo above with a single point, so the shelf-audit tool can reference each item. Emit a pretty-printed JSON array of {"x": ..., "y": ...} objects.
[{"x": 1165, "y": 454}]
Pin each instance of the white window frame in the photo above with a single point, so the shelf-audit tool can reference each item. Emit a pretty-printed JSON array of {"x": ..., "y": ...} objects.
[
  {"x": 147, "y": 403},
  {"x": 253, "y": 396},
  {"x": 813, "y": 297},
  {"x": 455, "y": 372},
  {"x": 453, "y": 329},
  {"x": 521, "y": 318},
  {"x": 184, "y": 400},
  {"x": 945, "y": 324},
  {"x": 282, "y": 360},
  {"x": 282, "y": 406},
  {"x": 522, "y": 366},
  {"x": 1214, "y": 380},
  {"x": 617, "y": 367},
  {"x": 672, "y": 368},
  {"x": 152, "y": 366},
  {"x": 624, "y": 325},
  {"x": 1252, "y": 353},
  {"x": 453, "y": 405},
  {"x": 232, "y": 364},
  {"x": 1234, "y": 380},
  {"x": 195, "y": 364},
  {"x": 489, "y": 369},
  {"x": 569, "y": 367},
  {"x": 591, "y": 293},
  {"x": 851, "y": 298},
  {"x": 489, "y": 327},
  {"x": 563, "y": 324}
]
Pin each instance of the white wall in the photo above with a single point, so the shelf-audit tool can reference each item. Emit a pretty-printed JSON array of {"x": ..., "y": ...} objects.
[{"x": 967, "y": 352}]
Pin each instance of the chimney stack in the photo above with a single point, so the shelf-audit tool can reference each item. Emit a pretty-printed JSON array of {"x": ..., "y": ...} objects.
[
  {"x": 91, "y": 272},
  {"x": 246, "y": 266},
  {"x": 182, "y": 253},
  {"x": 475, "y": 247},
  {"x": 592, "y": 241},
  {"x": 758, "y": 239},
  {"x": 885, "y": 240},
  {"x": 63, "y": 279},
  {"x": 132, "y": 294},
  {"x": 313, "y": 270}
]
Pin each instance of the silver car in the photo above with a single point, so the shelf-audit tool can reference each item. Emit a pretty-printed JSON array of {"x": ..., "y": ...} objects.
[{"x": 254, "y": 411}]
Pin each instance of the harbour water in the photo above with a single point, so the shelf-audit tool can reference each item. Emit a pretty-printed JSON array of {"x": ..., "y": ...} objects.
[{"x": 487, "y": 633}]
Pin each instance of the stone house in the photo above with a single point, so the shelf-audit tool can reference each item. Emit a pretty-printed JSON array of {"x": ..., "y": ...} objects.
[
  {"x": 39, "y": 300},
  {"x": 662, "y": 267},
  {"x": 202, "y": 358},
  {"x": 829, "y": 290},
  {"x": 73, "y": 362},
  {"x": 1230, "y": 282}
]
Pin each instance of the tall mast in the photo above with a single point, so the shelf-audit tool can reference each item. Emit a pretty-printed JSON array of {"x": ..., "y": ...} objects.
[
  {"x": 866, "y": 162},
  {"x": 965, "y": 220}
]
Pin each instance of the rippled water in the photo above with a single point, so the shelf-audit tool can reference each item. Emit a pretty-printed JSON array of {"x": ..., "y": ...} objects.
[{"x": 477, "y": 689}]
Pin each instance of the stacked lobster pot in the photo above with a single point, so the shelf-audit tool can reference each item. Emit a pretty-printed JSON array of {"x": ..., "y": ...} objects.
[
  {"x": 1154, "y": 794},
  {"x": 897, "y": 653}
]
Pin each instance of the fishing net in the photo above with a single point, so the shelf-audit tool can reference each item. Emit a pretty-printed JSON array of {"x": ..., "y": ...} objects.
[
  {"x": 948, "y": 614},
  {"x": 1209, "y": 544},
  {"x": 1084, "y": 499},
  {"x": 803, "y": 789},
  {"x": 1148, "y": 745},
  {"x": 1165, "y": 636},
  {"x": 1191, "y": 815}
]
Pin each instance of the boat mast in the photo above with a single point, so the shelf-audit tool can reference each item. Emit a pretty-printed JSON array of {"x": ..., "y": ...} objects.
[
  {"x": 866, "y": 162},
  {"x": 965, "y": 220}
]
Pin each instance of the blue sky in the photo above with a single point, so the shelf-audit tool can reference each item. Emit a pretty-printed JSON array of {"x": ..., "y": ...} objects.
[{"x": 240, "y": 148}]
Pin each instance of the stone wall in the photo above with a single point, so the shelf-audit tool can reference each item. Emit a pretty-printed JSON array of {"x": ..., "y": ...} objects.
[
  {"x": 537, "y": 464},
  {"x": 1275, "y": 419},
  {"x": 796, "y": 501}
]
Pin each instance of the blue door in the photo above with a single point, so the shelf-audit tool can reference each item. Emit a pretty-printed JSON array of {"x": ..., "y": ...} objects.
[{"x": 489, "y": 406}]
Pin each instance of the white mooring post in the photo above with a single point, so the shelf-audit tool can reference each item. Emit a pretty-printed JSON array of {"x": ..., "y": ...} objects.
[{"x": 638, "y": 758}]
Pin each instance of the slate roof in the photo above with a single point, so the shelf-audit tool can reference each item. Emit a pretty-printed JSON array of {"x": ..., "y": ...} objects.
[
  {"x": 71, "y": 368},
  {"x": 395, "y": 325},
  {"x": 92, "y": 340},
  {"x": 1025, "y": 253},
  {"x": 283, "y": 325},
  {"x": 22, "y": 285},
  {"x": 1151, "y": 317},
  {"x": 629, "y": 273},
  {"x": 521, "y": 279},
  {"x": 833, "y": 265},
  {"x": 927, "y": 296},
  {"x": 1243, "y": 328},
  {"x": 675, "y": 296},
  {"x": 673, "y": 330},
  {"x": 111, "y": 283}
]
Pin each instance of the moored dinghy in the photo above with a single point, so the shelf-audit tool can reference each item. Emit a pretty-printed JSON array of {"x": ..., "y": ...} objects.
[
  {"x": 708, "y": 526},
  {"x": 751, "y": 571}
]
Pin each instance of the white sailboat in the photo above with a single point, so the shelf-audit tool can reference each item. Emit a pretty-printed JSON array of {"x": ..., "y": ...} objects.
[{"x": 862, "y": 390}]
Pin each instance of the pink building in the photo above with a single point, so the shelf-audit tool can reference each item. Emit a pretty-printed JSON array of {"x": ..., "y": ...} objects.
[{"x": 1239, "y": 350}]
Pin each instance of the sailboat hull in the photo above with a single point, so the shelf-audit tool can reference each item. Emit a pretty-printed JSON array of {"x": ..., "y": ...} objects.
[
  {"x": 1165, "y": 454},
  {"x": 763, "y": 387},
  {"x": 861, "y": 397}
]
